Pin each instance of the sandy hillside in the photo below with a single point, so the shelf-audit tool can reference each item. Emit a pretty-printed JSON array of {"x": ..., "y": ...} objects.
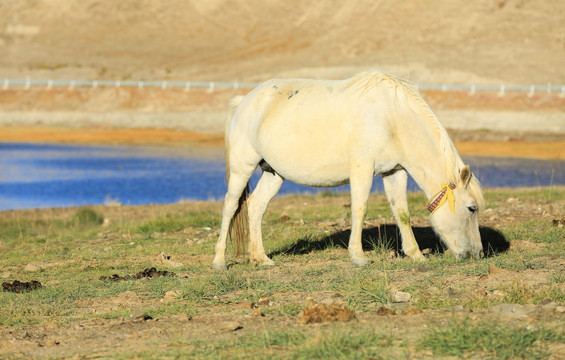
[
  {"x": 444, "y": 41},
  {"x": 453, "y": 41}
]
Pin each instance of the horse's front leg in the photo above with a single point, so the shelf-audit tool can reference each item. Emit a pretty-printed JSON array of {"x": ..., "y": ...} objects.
[
  {"x": 361, "y": 179},
  {"x": 395, "y": 188},
  {"x": 266, "y": 189}
]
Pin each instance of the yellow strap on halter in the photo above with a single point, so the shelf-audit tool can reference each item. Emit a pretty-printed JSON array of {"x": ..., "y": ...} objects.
[{"x": 445, "y": 194}]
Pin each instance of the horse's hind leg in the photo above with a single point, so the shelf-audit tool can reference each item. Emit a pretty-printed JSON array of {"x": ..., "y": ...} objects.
[
  {"x": 395, "y": 188},
  {"x": 236, "y": 185},
  {"x": 266, "y": 189}
]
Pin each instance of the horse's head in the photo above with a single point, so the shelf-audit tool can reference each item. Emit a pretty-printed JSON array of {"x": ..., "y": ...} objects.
[{"x": 455, "y": 215}]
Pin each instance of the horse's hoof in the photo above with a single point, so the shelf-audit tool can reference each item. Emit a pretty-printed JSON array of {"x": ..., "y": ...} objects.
[
  {"x": 360, "y": 261},
  {"x": 263, "y": 262},
  {"x": 418, "y": 258},
  {"x": 219, "y": 266}
]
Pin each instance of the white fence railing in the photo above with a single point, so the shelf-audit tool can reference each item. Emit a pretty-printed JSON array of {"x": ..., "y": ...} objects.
[{"x": 6, "y": 84}]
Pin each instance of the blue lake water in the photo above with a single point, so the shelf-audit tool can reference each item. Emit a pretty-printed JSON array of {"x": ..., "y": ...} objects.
[{"x": 52, "y": 175}]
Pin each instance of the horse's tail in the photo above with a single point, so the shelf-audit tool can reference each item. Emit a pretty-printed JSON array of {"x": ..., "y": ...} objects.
[{"x": 239, "y": 226}]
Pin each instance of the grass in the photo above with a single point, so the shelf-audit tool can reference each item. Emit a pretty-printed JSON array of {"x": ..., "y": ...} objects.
[
  {"x": 73, "y": 252},
  {"x": 490, "y": 340}
]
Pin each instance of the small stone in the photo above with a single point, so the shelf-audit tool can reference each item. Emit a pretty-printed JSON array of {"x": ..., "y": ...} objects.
[
  {"x": 139, "y": 315},
  {"x": 448, "y": 291},
  {"x": 328, "y": 301},
  {"x": 32, "y": 267},
  {"x": 230, "y": 326},
  {"x": 171, "y": 296},
  {"x": 560, "y": 309},
  {"x": 499, "y": 294},
  {"x": 515, "y": 311},
  {"x": 166, "y": 259},
  {"x": 401, "y": 297},
  {"x": 263, "y": 301}
]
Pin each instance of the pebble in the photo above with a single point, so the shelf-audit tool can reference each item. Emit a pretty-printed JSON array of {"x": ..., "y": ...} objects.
[
  {"x": 515, "y": 311},
  {"x": 32, "y": 267},
  {"x": 230, "y": 326},
  {"x": 139, "y": 315},
  {"x": 171, "y": 296},
  {"x": 263, "y": 301},
  {"x": 401, "y": 297}
]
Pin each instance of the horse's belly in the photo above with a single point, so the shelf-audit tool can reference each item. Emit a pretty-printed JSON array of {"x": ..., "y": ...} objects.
[
  {"x": 315, "y": 176},
  {"x": 305, "y": 167}
]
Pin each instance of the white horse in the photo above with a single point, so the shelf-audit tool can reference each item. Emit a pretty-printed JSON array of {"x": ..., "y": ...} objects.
[{"x": 329, "y": 133}]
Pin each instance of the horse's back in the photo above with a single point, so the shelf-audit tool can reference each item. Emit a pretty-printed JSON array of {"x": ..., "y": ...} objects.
[{"x": 309, "y": 130}]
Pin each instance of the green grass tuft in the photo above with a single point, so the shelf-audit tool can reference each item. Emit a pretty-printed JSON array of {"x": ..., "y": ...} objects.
[{"x": 489, "y": 340}]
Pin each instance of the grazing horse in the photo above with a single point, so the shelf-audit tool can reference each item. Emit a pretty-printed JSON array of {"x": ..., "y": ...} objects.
[{"x": 333, "y": 132}]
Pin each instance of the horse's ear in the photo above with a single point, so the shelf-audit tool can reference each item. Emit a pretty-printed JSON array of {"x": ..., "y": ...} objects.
[{"x": 465, "y": 175}]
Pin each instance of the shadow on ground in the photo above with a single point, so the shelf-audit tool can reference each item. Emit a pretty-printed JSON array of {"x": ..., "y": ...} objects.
[{"x": 387, "y": 237}]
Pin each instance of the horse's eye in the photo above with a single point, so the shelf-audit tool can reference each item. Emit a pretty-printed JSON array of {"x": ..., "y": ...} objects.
[{"x": 472, "y": 209}]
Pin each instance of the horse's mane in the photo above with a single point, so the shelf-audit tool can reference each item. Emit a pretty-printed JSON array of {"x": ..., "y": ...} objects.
[{"x": 368, "y": 80}]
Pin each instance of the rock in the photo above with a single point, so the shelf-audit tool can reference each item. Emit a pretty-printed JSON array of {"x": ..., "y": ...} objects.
[
  {"x": 448, "y": 291},
  {"x": 166, "y": 259},
  {"x": 264, "y": 301},
  {"x": 139, "y": 315},
  {"x": 401, "y": 297},
  {"x": 31, "y": 267},
  {"x": 560, "y": 309},
  {"x": 171, "y": 296},
  {"x": 498, "y": 294},
  {"x": 514, "y": 311}
]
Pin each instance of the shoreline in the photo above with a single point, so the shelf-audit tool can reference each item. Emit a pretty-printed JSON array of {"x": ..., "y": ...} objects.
[{"x": 500, "y": 146}]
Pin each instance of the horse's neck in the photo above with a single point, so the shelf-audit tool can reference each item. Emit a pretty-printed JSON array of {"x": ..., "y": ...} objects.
[{"x": 425, "y": 162}]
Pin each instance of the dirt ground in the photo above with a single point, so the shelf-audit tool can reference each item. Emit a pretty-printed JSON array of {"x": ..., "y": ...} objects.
[{"x": 233, "y": 319}]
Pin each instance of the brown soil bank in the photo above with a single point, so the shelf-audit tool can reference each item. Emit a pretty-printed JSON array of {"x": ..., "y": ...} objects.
[{"x": 547, "y": 147}]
